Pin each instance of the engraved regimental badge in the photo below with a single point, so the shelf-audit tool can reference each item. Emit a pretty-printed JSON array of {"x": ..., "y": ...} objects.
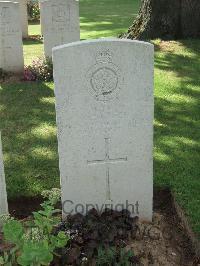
[
  {"x": 60, "y": 16},
  {"x": 104, "y": 77},
  {"x": 5, "y": 15}
]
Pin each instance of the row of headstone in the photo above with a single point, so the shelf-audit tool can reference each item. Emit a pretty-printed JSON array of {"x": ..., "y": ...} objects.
[
  {"x": 60, "y": 21},
  {"x": 60, "y": 25},
  {"x": 104, "y": 108}
]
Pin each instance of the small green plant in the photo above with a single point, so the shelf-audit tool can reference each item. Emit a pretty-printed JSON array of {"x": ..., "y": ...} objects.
[
  {"x": 106, "y": 257},
  {"x": 114, "y": 257},
  {"x": 52, "y": 195},
  {"x": 33, "y": 243}
]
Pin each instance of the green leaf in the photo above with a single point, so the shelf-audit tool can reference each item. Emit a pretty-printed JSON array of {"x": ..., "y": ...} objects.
[
  {"x": 35, "y": 253},
  {"x": 13, "y": 232},
  {"x": 2, "y": 261},
  {"x": 62, "y": 239},
  {"x": 130, "y": 254}
]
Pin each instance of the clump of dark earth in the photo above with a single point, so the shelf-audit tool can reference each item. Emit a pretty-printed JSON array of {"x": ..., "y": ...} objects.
[
  {"x": 162, "y": 242},
  {"x": 88, "y": 233}
]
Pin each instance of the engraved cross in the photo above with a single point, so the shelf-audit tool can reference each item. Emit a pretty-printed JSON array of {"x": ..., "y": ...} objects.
[{"x": 107, "y": 161}]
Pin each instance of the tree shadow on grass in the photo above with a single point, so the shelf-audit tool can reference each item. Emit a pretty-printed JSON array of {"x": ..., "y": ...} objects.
[
  {"x": 29, "y": 137},
  {"x": 177, "y": 127},
  {"x": 107, "y": 17}
]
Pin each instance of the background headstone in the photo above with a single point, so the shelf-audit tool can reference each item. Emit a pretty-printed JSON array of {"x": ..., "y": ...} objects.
[
  {"x": 59, "y": 23},
  {"x": 11, "y": 47},
  {"x": 3, "y": 194},
  {"x": 41, "y": 24},
  {"x": 104, "y": 106},
  {"x": 23, "y": 16}
]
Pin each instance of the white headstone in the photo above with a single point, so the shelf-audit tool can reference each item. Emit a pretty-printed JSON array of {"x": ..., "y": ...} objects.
[
  {"x": 60, "y": 23},
  {"x": 104, "y": 106},
  {"x": 23, "y": 16},
  {"x": 11, "y": 47},
  {"x": 3, "y": 194},
  {"x": 41, "y": 24}
]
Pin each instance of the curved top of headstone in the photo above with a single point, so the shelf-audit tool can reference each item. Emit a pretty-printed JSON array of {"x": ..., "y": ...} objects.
[
  {"x": 103, "y": 40},
  {"x": 5, "y": 1},
  {"x": 9, "y": 2}
]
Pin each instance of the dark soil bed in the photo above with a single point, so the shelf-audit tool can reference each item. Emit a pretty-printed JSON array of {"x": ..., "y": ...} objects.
[{"x": 162, "y": 242}]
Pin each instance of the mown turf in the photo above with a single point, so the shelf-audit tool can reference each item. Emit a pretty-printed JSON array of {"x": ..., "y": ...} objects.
[
  {"x": 32, "y": 50},
  {"x": 177, "y": 123},
  {"x": 29, "y": 137},
  {"x": 27, "y": 115}
]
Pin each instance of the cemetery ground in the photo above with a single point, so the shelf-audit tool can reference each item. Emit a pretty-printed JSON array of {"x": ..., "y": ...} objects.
[{"x": 27, "y": 117}]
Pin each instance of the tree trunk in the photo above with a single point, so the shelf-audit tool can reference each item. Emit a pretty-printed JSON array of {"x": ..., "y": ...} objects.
[
  {"x": 190, "y": 18},
  {"x": 168, "y": 19}
]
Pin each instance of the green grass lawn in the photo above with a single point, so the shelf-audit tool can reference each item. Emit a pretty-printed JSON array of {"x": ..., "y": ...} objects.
[
  {"x": 27, "y": 113},
  {"x": 177, "y": 123},
  {"x": 34, "y": 28}
]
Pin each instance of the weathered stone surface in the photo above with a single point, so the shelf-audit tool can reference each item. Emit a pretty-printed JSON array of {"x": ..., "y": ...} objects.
[
  {"x": 104, "y": 106},
  {"x": 3, "y": 194},
  {"x": 60, "y": 23},
  {"x": 11, "y": 47},
  {"x": 23, "y": 16}
]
